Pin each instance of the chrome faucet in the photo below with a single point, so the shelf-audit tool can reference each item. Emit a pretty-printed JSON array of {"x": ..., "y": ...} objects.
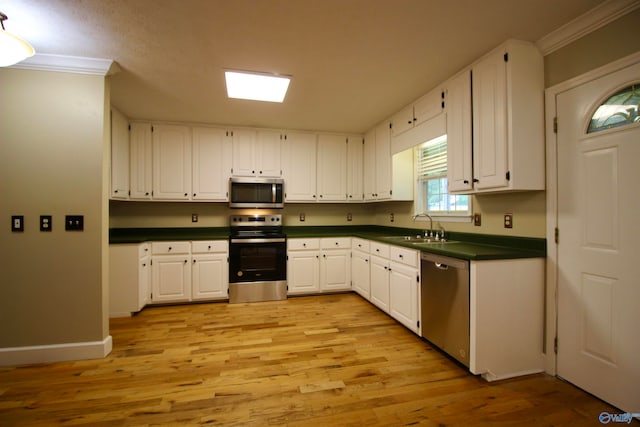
[
  {"x": 441, "y": 232},
  {"x": 413, "y": 218}
]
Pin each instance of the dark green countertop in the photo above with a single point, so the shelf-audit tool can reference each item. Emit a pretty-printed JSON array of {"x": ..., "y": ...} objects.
[{"x": 469, "y": 246}]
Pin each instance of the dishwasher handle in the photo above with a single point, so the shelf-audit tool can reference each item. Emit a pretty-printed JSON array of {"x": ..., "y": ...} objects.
[{"x": 441, "y": 266}]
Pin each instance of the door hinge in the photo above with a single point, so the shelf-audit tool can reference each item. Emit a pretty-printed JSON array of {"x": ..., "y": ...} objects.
[
  {"x": 129, "y": 126},
  {"x": 390, "y": 125},
  {"x": 555, "y": 345},
  {"x": 556, "y": 235},
  {"x": 418, "y": 323},
  {"x": 508, "y": 176},
  {"x": 418, "y": 279},
  {"x": 506, "y": 57},
  {"x": 555, "y": 125},
  {"x": 152, "y": 129}
]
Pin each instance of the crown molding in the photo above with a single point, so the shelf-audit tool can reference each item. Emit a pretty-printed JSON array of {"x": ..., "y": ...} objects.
[
  {"x": 69, "y": 64},
  {"x": 586, "y": 23}
]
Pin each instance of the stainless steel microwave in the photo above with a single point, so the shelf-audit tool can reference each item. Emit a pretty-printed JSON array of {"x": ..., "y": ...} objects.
[{"x": 256, "y": 192}]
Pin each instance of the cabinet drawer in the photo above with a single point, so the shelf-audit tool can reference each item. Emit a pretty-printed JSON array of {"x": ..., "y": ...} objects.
[
  {"x": 335, "y": 243},
  {"x": 360, "y": 244},
  {"x": 303, "y": 244},
  {"x": 144, "y": 250},
  {"x": 168, "y": 248},
  {"x": 379, "y": 249},
  {"x": 209, "y": 246},
  {"x": 403, "y": 255}
]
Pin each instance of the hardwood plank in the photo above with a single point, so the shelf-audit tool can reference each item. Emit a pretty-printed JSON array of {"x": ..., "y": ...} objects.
[{"x": 321, "y": 360}]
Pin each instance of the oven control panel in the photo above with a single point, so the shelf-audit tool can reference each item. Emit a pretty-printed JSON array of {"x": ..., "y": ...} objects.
[{"x": 273, "y": 220}]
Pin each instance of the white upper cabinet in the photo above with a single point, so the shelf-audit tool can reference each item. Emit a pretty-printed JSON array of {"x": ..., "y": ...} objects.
[
  {"x": 211, "y": 164},
  {"x": 421, "y": 110},
  {"x": 332, "y": 168},
  {"x": 119, "y": 155},
  {"x": 141, "y": 161},
  {"x": 508, "y": 119},
  {"x": 355, "y": 153},
  {"x": 171, "y": 162},
  {"x": 459, "y": 143},
  {"x": 257, "y": 153},
  {"x": 299, "y": 167}
]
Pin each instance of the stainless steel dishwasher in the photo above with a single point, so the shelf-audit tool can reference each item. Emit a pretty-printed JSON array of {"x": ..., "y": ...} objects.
[{"x": 445, "y": 304}]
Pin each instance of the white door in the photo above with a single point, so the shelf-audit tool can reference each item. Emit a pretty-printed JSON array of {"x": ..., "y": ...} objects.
[{"x": 598, "y": 281}]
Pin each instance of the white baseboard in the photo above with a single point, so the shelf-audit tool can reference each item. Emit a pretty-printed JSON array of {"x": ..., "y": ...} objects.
[{"x": 55, "y": 352}]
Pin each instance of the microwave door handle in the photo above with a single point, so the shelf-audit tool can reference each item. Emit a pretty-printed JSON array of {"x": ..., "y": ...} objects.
[{"x": 273, "y": 193}]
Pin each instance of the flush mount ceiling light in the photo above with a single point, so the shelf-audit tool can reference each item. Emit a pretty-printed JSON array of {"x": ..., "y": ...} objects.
[
  {"x": 12, "y": 48},
  {"x": 256, "y": 86}
]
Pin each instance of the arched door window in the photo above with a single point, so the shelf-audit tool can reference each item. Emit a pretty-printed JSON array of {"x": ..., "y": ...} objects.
[{"x": 620, "y": 109}]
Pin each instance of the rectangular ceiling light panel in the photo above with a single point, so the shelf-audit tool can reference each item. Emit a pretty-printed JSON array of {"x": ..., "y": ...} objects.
[{"x": 256, "y": 86}]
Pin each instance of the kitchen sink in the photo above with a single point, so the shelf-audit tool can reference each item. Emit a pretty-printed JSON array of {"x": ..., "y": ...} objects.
[{"x": 419, "y": 239}]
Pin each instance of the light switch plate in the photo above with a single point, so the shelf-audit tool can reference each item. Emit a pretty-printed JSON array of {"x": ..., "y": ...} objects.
[{"x": 17, "y": 223}]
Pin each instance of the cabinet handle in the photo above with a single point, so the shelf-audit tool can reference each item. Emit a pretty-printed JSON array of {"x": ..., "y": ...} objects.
[{"x": 476, "y": 180}]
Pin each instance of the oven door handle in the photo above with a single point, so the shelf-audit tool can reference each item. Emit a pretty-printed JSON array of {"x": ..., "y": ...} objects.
[{"x": 270, "y": 240}]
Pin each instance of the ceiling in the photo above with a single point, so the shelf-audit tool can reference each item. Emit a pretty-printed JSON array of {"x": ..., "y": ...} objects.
[{"x": 353, "y": 62}]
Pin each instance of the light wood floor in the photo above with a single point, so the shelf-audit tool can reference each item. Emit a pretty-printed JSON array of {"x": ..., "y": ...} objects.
[{"x": 331, "y": 360}]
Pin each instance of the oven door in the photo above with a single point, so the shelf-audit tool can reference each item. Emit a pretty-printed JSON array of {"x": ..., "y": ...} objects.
[{"x": 257, "y": 260}]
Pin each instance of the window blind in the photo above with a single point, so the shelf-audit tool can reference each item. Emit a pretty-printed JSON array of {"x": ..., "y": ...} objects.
[{"x": 432, "y": 159}]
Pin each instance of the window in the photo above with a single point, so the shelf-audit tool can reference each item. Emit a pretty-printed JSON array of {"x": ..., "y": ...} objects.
[
  {"x": 619, "y": 110},
  {"x": 431, "y": 182}
]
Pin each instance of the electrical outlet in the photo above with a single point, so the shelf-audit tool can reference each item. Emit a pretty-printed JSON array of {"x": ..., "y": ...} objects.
[
  {"x": 391, "y": 217},
  {"x": 302, "y": 217},
  {"x": 349, "y": 217},
  {"x": 477, "y": 220},
  {"x": 74, "y": 223},
  {"x": 194, "y": 217},
  {"x": 45, "y": 223},
  {"x": 17, "y": 223},
  {"x": 508, "y": 220}
]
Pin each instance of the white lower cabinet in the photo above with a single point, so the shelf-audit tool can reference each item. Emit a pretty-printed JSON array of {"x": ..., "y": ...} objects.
[
  {"x": 403, "y": 295},
  {"x": 303, "y": 261},
  {"x": 209, "y": 270},
  {"x": 170, "y": 272},
  {"x": 389, "y": 277},
  {"x": 360, "y": 269},
  {"x": 380, "y": 282},
  {"x": 129, "y": 278},
  {"x": 335, "y": 264},
  {"x": 181, "y": 273},
  {"x": 318, "y": 265}
]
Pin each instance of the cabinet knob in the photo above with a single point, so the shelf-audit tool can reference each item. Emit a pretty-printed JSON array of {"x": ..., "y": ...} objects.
[
  {"x": 194, "y": 194},
  {"x": 209, "y": 247},
  {"x": 466, "y": 181},
  {"x": 186, "y": 194},
  {"x": 476, "y": 180},
  {"x": 170, "y": 248},
  {"x": 304, "y": 245},
  {"x": 386, "y": 268},
  {"x": 400, "y": 255},
  {"x": 337, "y": 244}
]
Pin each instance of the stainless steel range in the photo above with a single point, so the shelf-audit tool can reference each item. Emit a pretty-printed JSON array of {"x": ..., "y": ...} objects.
[{"x": 257, "y": 258}]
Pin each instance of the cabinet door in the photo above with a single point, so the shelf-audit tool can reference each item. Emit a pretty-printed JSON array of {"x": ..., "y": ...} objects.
[
  {"x": 119, "y": 156},
  {"x": 383, "y": 161},
  {"x": 141, "y": 161},
  {"x": 211, "y": 164},
  {"x": 403, "y": 120},
  {"x": 144, "y": 282},
  {"x": 403, "y": 295},
  {"x": 244, "y": 142},
  {"x": 490, "y": 122},
  {"x": 171, "y": 162},
  {"x": 268, "y": 154},
  {"x": 428, "y": 106},
  {"x": 299, "y": 167},
  {"x": 303, "y": 272},
  {"x": 335, "y": 270},
  {"x": 360, "y": 279},
  {"x": 369, "y": 173},
  {"x": 209, "y": 276},
  {"x": 171, "y": 278},
  {"x": 355, "y": 152},
  {"x": 459, "y": 143},
  {"x": 380, "y": 282},
  {"x": 332, "y": 168}
]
